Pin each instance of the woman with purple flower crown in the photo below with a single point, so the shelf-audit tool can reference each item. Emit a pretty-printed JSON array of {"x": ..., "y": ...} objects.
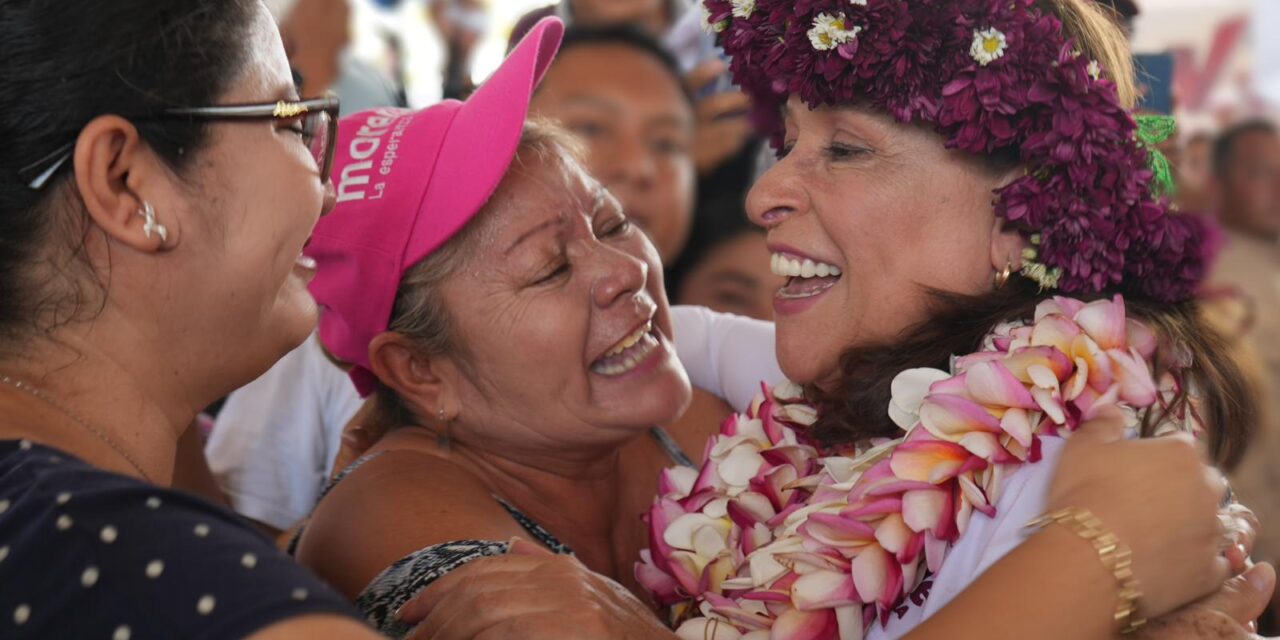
[
  {"x": 981, "y": 259},
  {"x": 888, "y": 493}
]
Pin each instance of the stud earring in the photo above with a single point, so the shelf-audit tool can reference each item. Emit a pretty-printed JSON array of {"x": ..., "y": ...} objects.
[
  {"x": 442, "y": 438},
  {"x": 1002, "y": 278},
  {"x": 150, "y": 225}
]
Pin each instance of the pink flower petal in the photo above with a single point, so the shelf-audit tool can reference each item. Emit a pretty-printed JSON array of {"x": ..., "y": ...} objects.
[
  {"x": 805, "y": 625},
  {"x": 928, "y": 461},
  {"x": 1017, "y": 423},
  {"x": 1051, "y": 404},
  {"x": 1054, "y": 331},
  {"x": 908, "y": 391},
  {"x": 1104, "y": 321},
  {"x": 1021, "y": 361},
  {"x": 1136, "y": 386},
  {"x": 935, "y": 551},
  {"x": 991, "y": 384},
  {"x": 923, "y": 510},
  {"x": 749, "y": 508},
  {"x": 873, "y": 509},
  {"x": 835, "y": 531},
  {"x": 823, "y": 590},
  {"x": 950, "y": 417},
  {"x": 871, "y": 568},
  {"x": 1142, "y": 339},
  {"x": 1060, "y": 305}
]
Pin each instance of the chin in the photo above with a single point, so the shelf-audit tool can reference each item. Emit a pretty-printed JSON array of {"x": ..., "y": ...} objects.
[
  {"x": 805, "y": 361},
  {"x": 295, "y": 319},
  {"x": 660, "y": 400}
]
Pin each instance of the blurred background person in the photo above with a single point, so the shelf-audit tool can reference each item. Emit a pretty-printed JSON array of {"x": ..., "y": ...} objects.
[
  {"x": 1195, "y": 173},
  {"x": 620, "y": 91},
  {"x": 726, "y": 267},
  {"x": 317, "y": 37},
  {"x": 461, "y": 24},
  {"x": 1246, "y": 194},
  {"x": 724, "y": 148}
]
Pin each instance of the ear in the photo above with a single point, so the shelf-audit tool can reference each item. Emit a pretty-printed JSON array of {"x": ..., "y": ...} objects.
[
  {"x": 428, "y": 384},
  {"x": 111, "y": 162},
  {"x": 1007, "y": 243}
]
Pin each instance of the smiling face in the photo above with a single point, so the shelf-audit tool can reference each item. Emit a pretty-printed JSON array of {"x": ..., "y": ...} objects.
[
  {"x": 865, "y": 216},
  {"x": 559, "y": 316},
  {"x": 235, "y": 276},
  {"x": 638, "y": 128}
]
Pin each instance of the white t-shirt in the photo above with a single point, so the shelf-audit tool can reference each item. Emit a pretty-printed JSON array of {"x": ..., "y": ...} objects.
[{"x": 274, "y": 443}]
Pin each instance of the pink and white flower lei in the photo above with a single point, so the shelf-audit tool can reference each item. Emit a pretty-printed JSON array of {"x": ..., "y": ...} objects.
[{"x": 775, "y": 538}]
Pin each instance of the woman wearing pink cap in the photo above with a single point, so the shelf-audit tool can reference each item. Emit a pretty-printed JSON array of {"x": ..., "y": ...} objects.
[{"x": 495, "y": 299}]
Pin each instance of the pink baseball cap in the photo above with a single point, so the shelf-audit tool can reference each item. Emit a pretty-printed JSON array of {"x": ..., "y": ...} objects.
[{"x": 407, "y": 181}]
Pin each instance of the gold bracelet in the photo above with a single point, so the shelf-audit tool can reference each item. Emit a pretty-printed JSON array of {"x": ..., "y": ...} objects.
[{"x": 1115, "y": 555}]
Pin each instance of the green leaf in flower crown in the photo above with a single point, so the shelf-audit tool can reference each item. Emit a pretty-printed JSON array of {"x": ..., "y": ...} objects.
[{"x": 1153, "y": 130}]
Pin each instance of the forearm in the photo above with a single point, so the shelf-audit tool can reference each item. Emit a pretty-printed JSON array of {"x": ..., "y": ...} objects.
[{"x": 1052, "y": 587}]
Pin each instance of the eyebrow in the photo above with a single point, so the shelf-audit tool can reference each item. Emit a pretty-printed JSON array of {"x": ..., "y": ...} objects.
[
  {"x": 592, "y": 101},
  {"x": 533, "y": 232}
]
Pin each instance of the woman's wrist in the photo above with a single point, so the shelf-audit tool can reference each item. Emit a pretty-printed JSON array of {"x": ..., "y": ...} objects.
[{"x": 1113, "y": 554}]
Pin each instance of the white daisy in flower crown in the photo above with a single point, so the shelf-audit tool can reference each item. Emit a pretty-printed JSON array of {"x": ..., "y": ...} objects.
[
  {"x": 829, "y": 32},
  {"x": 989, "y": 45}
]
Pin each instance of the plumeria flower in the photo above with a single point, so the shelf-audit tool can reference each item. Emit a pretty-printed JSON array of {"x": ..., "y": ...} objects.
[
  {"x": 829, "y": 32},
  {"x": 988, "y": 46},
  {"x": 773, "y": 540}
]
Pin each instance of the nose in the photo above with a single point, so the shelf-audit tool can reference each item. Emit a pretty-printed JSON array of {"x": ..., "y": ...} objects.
[
  {"x": 626, "y": 162},
  {"x": 619, "y": 276},
  {"x": 775, "y": 197}
]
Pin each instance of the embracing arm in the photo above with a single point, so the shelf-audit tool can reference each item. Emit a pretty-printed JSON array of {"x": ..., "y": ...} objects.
[{"x": 726, "y": 355}]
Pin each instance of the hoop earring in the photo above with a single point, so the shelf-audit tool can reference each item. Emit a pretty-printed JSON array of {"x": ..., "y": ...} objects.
[
  {"x": 150, "y": 225},
  {"x": 1002, "y": 278}
]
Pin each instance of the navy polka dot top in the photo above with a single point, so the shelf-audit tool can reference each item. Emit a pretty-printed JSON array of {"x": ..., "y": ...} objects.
[{"x": 85, "y": 553}]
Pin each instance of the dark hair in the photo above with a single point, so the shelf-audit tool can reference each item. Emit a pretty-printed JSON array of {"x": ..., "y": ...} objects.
[
  {"x": 721, "y": 219},
  {"x": 68, "y": 62},
  {"x": 630, "y": 36},
  {"x": 856, "y": 410},
  {"x": 1224, "y": 148}
]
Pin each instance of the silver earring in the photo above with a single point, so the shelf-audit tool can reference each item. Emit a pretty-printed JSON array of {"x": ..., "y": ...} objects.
[{"x": 150, "y": 225}]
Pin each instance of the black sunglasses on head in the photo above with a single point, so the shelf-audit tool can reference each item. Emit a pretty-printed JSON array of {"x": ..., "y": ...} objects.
[{"x": 319, "y": 118}]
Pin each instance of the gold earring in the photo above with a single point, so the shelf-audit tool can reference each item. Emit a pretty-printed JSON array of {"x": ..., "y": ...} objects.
[{"x": 1002, "y": 278}]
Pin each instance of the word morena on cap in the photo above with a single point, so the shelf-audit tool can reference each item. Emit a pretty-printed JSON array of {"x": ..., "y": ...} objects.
[{"x": 991, "y": 76}]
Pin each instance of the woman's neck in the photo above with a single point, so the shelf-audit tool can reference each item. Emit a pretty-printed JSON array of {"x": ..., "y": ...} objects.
[
  {"x": 120, "y": 409},
  {"x": 574, "y": 494}
]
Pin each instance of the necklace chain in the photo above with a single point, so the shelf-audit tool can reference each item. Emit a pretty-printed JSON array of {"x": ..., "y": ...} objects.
[{"x": 47, "y": 399}]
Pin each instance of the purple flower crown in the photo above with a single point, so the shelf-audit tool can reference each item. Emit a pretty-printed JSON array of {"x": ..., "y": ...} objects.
[{"x": 991, "y": 76}]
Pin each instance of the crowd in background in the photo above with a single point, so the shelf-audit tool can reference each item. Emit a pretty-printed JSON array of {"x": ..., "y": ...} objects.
[{"x": 642, "y": 86}]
